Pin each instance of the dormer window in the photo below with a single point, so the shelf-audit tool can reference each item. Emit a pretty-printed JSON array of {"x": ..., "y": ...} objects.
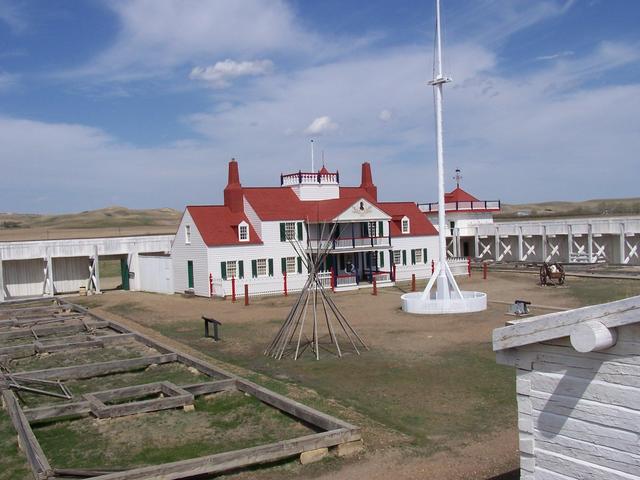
[
  {"x": 406, "y": 226},
  {"x": 187, "y": 234},
  {"x": 243, "y": 232}
]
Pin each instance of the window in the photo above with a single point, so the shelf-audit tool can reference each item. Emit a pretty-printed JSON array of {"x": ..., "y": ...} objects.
[
  {"x": 261, "y": 267},
  {"x": 405, "y": 225},
  {"x": 232, "y": 269},
  {"x": 243, "y": 233},
  {"x": 397, "y": 257},
  {"x": 417, "y": 256},
  {"x": 372, "y": 229},
  {"x": 291, "y": 264},
  {"x": 290, "y": 230},
  {"x": 187, "y": 234}
]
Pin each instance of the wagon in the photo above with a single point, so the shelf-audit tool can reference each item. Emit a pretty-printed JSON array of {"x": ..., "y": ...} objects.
[{"x": 551, "y": 274}]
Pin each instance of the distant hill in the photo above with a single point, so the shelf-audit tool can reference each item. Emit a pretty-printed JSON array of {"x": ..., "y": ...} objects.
[
  {"x": 602, "y": 207},
  {"x": 110, "y": 221}
]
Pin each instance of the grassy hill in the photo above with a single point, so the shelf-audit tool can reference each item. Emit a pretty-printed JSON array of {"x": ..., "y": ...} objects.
[{"x": 602, "y": 207}]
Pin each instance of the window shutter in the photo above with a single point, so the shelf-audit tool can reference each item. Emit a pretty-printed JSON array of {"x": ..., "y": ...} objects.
[
  {"x": 283, "y": 263},
  {"x": 254, "y": 268},
  {"x": 299, "y": 265},
  {"x": 404, "y": 257},
  {"x": 240, "y": 269},
  {"x": 271, "y": 267},
  {"x": 413, "y": 257},
  {"x": 283, "y": 233},
  {"x": 382, "y": 259},
  {"x": 380, "y": 229},
  {"x": 424, "y": 255},
  {"x": 299, "y": 230},
  {"x": 223, "y": 270}
]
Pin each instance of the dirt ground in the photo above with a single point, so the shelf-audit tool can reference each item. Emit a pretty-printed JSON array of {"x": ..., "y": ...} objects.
[{"x": 429, "y": 398}]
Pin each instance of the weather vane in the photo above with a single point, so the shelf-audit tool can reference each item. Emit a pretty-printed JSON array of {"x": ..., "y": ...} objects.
[{"x": 458, "y": 177}]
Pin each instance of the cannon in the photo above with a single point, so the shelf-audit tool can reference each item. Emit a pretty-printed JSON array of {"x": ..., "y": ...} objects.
[{"x": 551, "y": 274}]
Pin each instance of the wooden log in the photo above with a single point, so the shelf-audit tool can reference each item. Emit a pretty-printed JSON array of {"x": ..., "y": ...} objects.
[
  {"x": 592, "y": 336},
  {"x": 65, "y": 410},
  {"x": 198, "y": 389},
  {"x": 101, "y": 410},
  {"x": 28, "y": 443},
  {"x": 82, "y": 472},
  {"x": 222, "y": 462},
  {"x": 15, "y": 351},
  {"x": 96, "y": 369},
  {"x": 44, "y": 331}
]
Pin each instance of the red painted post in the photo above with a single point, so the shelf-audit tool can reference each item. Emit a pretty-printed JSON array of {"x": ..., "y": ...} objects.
[
  {"x": 233, "y": 289},
  {"x": 413, "y": 282},
  {"x": 485, "y": 267},
  {"x": 246, "y": 294},
  {"x": 433, "y": 266},
  {"x": 375, "y": 286},
  {"x": 211, "y": 285},
  {"x": 394, "y": 272},
  {"x": 469, "y": 265},
  {"x": 333, "y": 280},
  {"x": 284, "y": 276}
]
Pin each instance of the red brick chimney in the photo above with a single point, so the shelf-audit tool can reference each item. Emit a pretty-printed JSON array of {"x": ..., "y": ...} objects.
[
  {"x": 233, "y": 191},
  {"x": 367, "y": 181}
]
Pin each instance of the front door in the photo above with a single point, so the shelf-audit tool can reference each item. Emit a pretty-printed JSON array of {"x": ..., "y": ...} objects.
[
  {"x": 124, "y": 272},
  {"x": 190, "y": 272}
]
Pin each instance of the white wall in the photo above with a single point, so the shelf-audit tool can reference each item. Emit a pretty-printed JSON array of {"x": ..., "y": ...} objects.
[
  {"x": 423, "y": 270},
  {"x": 70, "y": 273},
  {"x": 23, "y": 278},
  {"x": 196, "y": 251},
  {"x": 156, "y": 273}
]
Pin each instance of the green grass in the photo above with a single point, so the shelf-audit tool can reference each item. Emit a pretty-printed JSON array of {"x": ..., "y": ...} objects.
[
  {"x": 13, "y": 462},
  {"x": 591, "y": 291},
  {"x": 109, "y": 268}
]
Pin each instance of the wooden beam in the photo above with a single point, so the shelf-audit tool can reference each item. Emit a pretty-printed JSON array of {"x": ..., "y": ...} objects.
[
  {"x": 44, "y": 331},
  {"x": 96, "y": 369},
  {"x": 64, "y": 410},
  {"x": 198, "y": 389}
]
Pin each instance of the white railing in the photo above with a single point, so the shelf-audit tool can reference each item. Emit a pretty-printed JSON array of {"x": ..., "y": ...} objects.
[
  {"x": 351, "y": 242},
  {"x": 454, "y": 206},
  {"x": 325, "y": 279},
  {"x": 459, "y": 266},
  {"x": 308, "y": 178},
  {"x": 382, "y": 277},
  {"x": 345, "y": 280}
]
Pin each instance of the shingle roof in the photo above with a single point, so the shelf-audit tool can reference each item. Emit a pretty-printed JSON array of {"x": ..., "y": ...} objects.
[
  {"x": 219, "y": 226},
  {"x": 459, "y": 195},
  {"x": 418, "y": 223}
]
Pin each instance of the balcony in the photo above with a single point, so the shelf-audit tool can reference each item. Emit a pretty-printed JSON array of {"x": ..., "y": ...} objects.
[
  {"x": 348, "y": 243},
  {"x": 309, "y": 178},
  {"x": 480, "y": 206}
]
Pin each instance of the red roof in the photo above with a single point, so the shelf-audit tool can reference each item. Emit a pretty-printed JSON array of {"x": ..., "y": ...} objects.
[
  {"x": 418, "y": 223},
  {"x": 459, "y": 195},
  {"x": 219, "y": 226}
]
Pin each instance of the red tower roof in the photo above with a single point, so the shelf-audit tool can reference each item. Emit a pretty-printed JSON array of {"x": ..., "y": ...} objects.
[{"x": 459, "y": 195}]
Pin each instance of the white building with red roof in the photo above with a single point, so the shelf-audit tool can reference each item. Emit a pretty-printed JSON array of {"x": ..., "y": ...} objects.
[{"x": 248, "y": 240}]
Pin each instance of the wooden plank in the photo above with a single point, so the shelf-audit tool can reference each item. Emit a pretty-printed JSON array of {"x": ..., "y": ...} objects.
[
  {"x": 222, "y": 462},
  {"x": 44, "y": 331},
  {"x": 198, "y": 389},
  {"x": 574, "y": 468},
  {"x": 298, "y": 410},
  {"x": 27, "y": 440},
  {"x": 560, "y": 324},
  {"x": 55, "y": 411},
  {"x": 96, "y": 369},
  {"x": 15, "y": 351}
]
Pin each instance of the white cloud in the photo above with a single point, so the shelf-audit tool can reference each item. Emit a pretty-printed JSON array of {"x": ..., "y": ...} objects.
[
  {"x": 385, "y": 115},
  {"x": 221, "y": 74},
  {"x": 566, "y": 53},
  {"x": 320, "y": 126}
]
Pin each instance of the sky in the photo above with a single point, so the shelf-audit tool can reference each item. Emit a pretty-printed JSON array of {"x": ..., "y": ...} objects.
[{"x": 142, "y": 103}]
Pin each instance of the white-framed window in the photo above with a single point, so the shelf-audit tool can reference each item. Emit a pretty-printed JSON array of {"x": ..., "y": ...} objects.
[
  {"x": 291, "y": 264},
  {"x": 406, "y": 226},
  {"x": 232, "y": 269},
  {"x": 372, "y": 228},
  {"x": 187, "y": 234},
  {"x": 243, "y": 232},
  {"x": 290, "y": 230},
  {"x": 261, "y": 267},
  {"x": 418, "y": 255},
  {"x": 397, "y": 257}
]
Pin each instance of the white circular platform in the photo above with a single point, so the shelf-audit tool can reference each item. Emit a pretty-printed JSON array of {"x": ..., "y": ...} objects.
[{"x": 471, "y": 302}]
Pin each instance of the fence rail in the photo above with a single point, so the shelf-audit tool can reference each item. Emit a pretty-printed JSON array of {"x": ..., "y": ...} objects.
[{"x": 455, "y": 206}]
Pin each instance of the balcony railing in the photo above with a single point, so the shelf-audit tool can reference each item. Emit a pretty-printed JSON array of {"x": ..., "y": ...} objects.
[
  {"x": 345, "y": 280},
  {"x": 344, "y": 243},
  {"x": 309, "y": 178},
  {"x": 492, "y": 205}
]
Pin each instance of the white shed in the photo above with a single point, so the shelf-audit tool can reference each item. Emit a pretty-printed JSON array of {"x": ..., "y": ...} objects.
[{"x": 578, "y": 391}]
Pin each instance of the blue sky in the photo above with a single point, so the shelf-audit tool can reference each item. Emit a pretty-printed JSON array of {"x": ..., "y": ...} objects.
[{"x": 142, "y": 103}]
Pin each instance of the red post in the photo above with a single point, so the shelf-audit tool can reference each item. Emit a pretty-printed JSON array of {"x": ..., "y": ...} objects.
[
  {"x": 233, "y": 289},
  {"x": 469, "y": 265},
  {"x": 333, "y": 280},
  {"x": 375, "y": 286},
  {"x": 413, "y": 282},
  {"x": 394, "y": 272},
  {"x": 246, "y": 294},
  {"x": 433, "y": 266},
  {"x": 211, "y": 285},
  {"x": 485, "y": 267},
  {"x": 284, "y": 276}
]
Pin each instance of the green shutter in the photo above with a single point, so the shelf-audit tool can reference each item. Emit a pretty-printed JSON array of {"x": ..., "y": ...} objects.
[
  {"x": 223, "y": 270},
  {"x": 404, "y": 257},
  {"x": 380, "y": 229},
  {"x": 283, "y": 233},
  {"x": 381, "y": 259},
  {"x": 413, "y": 257},
  {"x": 254, "y": 268},
  {"x": 299, "y": 265},
  {"x": 240, "y": 269},
  {"x": 424, "y": 255},
  {"x": 189, "y": 273},
  {"x": 271, "y": 267},
  {"x": 299, "y": 230},
  {"x": 283, "y": 264}
]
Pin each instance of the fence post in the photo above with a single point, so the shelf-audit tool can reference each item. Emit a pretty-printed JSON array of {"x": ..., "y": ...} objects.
[
  {"x": 333, "y": 281},
  {"x": 469, "y": 265},
  {"x": 394, "y": 272},
  {"x": 285, "y": 283},
  {"x": 484, "y": 271},
  {"x": 413, "y": 282},
  {"x": 375, "y": 286},
  {"x": 211, "y": 285},
  {"x": 433, "y": 266},
  {"x": 246, "y": 294},
  {"x": 233, "y": 289}
]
